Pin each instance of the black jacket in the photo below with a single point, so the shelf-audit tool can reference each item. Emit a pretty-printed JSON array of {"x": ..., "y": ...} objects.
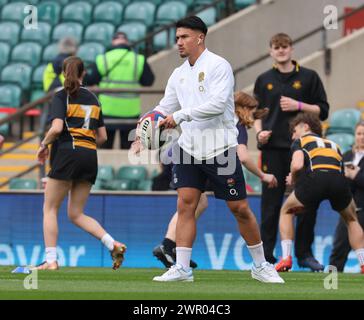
[
  {"x": 301, "y": 84},
  {"x": 357, "y": 185}
]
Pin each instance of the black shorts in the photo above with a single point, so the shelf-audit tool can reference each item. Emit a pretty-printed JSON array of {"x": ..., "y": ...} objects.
[
  {"x": 312, "y": 188},
  {"x": 74, "y": 164},
  {"x": 223, "y": 172}
]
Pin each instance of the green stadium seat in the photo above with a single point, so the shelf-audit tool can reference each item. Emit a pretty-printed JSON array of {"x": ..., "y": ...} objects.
[
  {"x": 37, "y": 94},
  {"x": 170, "y": 11},
  {"x": 162, "y": 41},
  {"x": 242, "y": 4},
  {"x": 9, "y": 32},
  {"x": 68, "y": 29},
  {"x": 4, "y": 128},
  {"x": 92, "y": 2},
  {"x": 344, "y": 140},
  {"x": 2, "y": 3},
  {"x": 209, "y": 16},
  {"x": 98, "y": 185},
  {"x": 77, "y": 12},
  {"x": 26, "y": 1},
  {"x": 19, "y": 73},
  {"x": 4, "y": 53},
  {"x": 135, "y": 173},
  {"x": 100, "y": 32},
  {"x": 135, "y": 31},
  {"x": 14, "y": 12},
  {"x": 120, "y": 185},
  {"x": 123, "y": 2},
  {"x": 89, "y": 50},
  {"x": 61, "y": 2},
  {"x": 10, "y": 95},
  {"x": 142, "y": 11},
  {"x": 111, "y": 12},
  {"x": 145, "y": 185},
  {"x": 41, "y": 35},
  {"x": 50, "y": 52},
  {"x": 50, "y": 12},
  {"x": 156, "y": 2},
  {"x": 22, "y": 184},
  {"x": 37, "y": 77},
  {"x": 105, "y": 173},
  {"x": 344, "y": 121},
  {"x": 27, "y": 52},
  {"x": 188, "y": 2}
]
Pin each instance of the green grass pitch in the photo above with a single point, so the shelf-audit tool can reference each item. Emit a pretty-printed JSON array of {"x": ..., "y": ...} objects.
[{"x": 137, "y": 284}]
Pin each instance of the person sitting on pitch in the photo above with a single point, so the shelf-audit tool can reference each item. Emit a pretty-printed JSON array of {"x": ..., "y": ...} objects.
[{"x": 317, "y": 174}]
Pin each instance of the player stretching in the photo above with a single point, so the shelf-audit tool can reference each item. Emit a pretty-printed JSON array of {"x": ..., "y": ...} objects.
[{"x": 317, "y": 172}]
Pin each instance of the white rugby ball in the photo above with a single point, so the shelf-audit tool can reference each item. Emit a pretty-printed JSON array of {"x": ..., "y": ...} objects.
[{"x": 149, "y": 130}]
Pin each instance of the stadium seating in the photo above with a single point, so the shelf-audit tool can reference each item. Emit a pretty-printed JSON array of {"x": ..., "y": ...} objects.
[
  {"x": 14, "y": 12},
  {"x": 27, "y": 52},
  {"x": 4, "y": 128},
  {"x": 142, "y": 11},
  {"x": 50, "y": 12},
  {"x": 4, "y": 53},
  {"x": 120, "y": 185},
  {"x": 9, "y": 32},
  {"x": 50, "y": 52},
  {"x": 252, "y": 181},
  {"x": 41, "y": 35},
  {"x": 37, "y": 83},
  {"x": 68, "y": 29},
  {"x": 88, "y": 51},
  {"x": 242, "y": 4},
  {"x": 105, "y": 173},
  {"x": 100, "y": 32},
  {"x": 134, "y": 173},
  {"x": 20, "y": 184},
  {"x": 209, "y": 16},
  {"x": 170, "y": 11},
  {"x": 123, "y": 2},
  {"x": 134, "y": 30},
  {"x": 344, "y": 140},
  {"x": 108, "y": 12},
  {"x": 92, "y": 2},
  {"x": 79, "y": 11},
  {"x": 162, "y": 41},
  {"x": 344, "y": 121},
  {"x": 18, "y": 73},
  {"x": 10, "y": 95},
  {"x": 145, "y": 185}
]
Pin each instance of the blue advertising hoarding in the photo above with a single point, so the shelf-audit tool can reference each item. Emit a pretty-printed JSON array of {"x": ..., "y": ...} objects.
[{"x": 140, "y": 221}]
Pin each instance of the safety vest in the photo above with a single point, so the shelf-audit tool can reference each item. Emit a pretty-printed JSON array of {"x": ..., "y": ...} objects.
[
  {"x": 49, "y": 76},
  {"x": 120, "y": 68}
]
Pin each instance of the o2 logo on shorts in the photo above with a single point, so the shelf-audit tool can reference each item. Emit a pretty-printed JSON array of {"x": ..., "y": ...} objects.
[{"x": 231, "y": 183}]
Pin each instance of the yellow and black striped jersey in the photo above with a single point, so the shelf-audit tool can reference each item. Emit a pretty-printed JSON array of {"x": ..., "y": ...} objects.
[
  {"x": 320, "y": 153},
  {"x": 82, "y": 117}
]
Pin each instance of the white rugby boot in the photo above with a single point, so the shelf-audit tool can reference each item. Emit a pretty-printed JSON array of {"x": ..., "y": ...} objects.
[
  {"x": 175, "y": 273},
  {"x": 266, "y": 273}
]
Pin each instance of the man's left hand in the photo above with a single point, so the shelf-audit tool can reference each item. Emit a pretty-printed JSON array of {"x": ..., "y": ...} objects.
[
  {"x": 168, "y": 122},
  {"x": 288, "y": 104}
]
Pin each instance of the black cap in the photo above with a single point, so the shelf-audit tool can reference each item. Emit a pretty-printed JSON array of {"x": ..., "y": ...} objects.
[{"x": 192, "y": 22}]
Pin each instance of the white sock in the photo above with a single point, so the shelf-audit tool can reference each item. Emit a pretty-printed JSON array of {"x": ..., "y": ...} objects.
[
  {"x": 51, "y": 254},
  {"x": 286, "y": 248},
  {"x": 183, "y": 257},
  {"x": 108, "y": 241},
  {"x": 360, "y": 255},
  {"x": 257, "y": 254}
]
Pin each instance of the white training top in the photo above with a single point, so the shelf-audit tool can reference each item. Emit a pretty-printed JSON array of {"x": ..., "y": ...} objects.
[{"x": 204, "y": 93}]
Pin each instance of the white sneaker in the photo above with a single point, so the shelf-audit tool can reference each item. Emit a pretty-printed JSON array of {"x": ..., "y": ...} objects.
[
  {"x": 175, "y": 273},
  {"x": 266, "y": 273}
]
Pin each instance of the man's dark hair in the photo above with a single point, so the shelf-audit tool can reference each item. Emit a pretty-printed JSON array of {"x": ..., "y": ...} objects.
[
  {"x": 312, "y": 120},
  {"x": 192, "y": 22}
]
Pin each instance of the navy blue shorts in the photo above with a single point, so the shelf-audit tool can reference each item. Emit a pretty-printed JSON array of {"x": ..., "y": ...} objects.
[{"x": 223, "y": 172}]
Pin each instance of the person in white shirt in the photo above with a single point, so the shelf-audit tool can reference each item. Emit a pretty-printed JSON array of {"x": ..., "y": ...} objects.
[{"x": 199, "y": 97}]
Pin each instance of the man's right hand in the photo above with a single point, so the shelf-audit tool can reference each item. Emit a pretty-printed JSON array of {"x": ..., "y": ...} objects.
[{"x": 263, "y": 136}]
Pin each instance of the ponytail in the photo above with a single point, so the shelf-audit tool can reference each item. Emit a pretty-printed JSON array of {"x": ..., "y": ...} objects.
[{"x": 73, "y": 70}]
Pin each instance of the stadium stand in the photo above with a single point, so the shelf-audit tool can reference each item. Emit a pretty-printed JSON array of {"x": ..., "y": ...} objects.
[{"x": 22, "y": 184}]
